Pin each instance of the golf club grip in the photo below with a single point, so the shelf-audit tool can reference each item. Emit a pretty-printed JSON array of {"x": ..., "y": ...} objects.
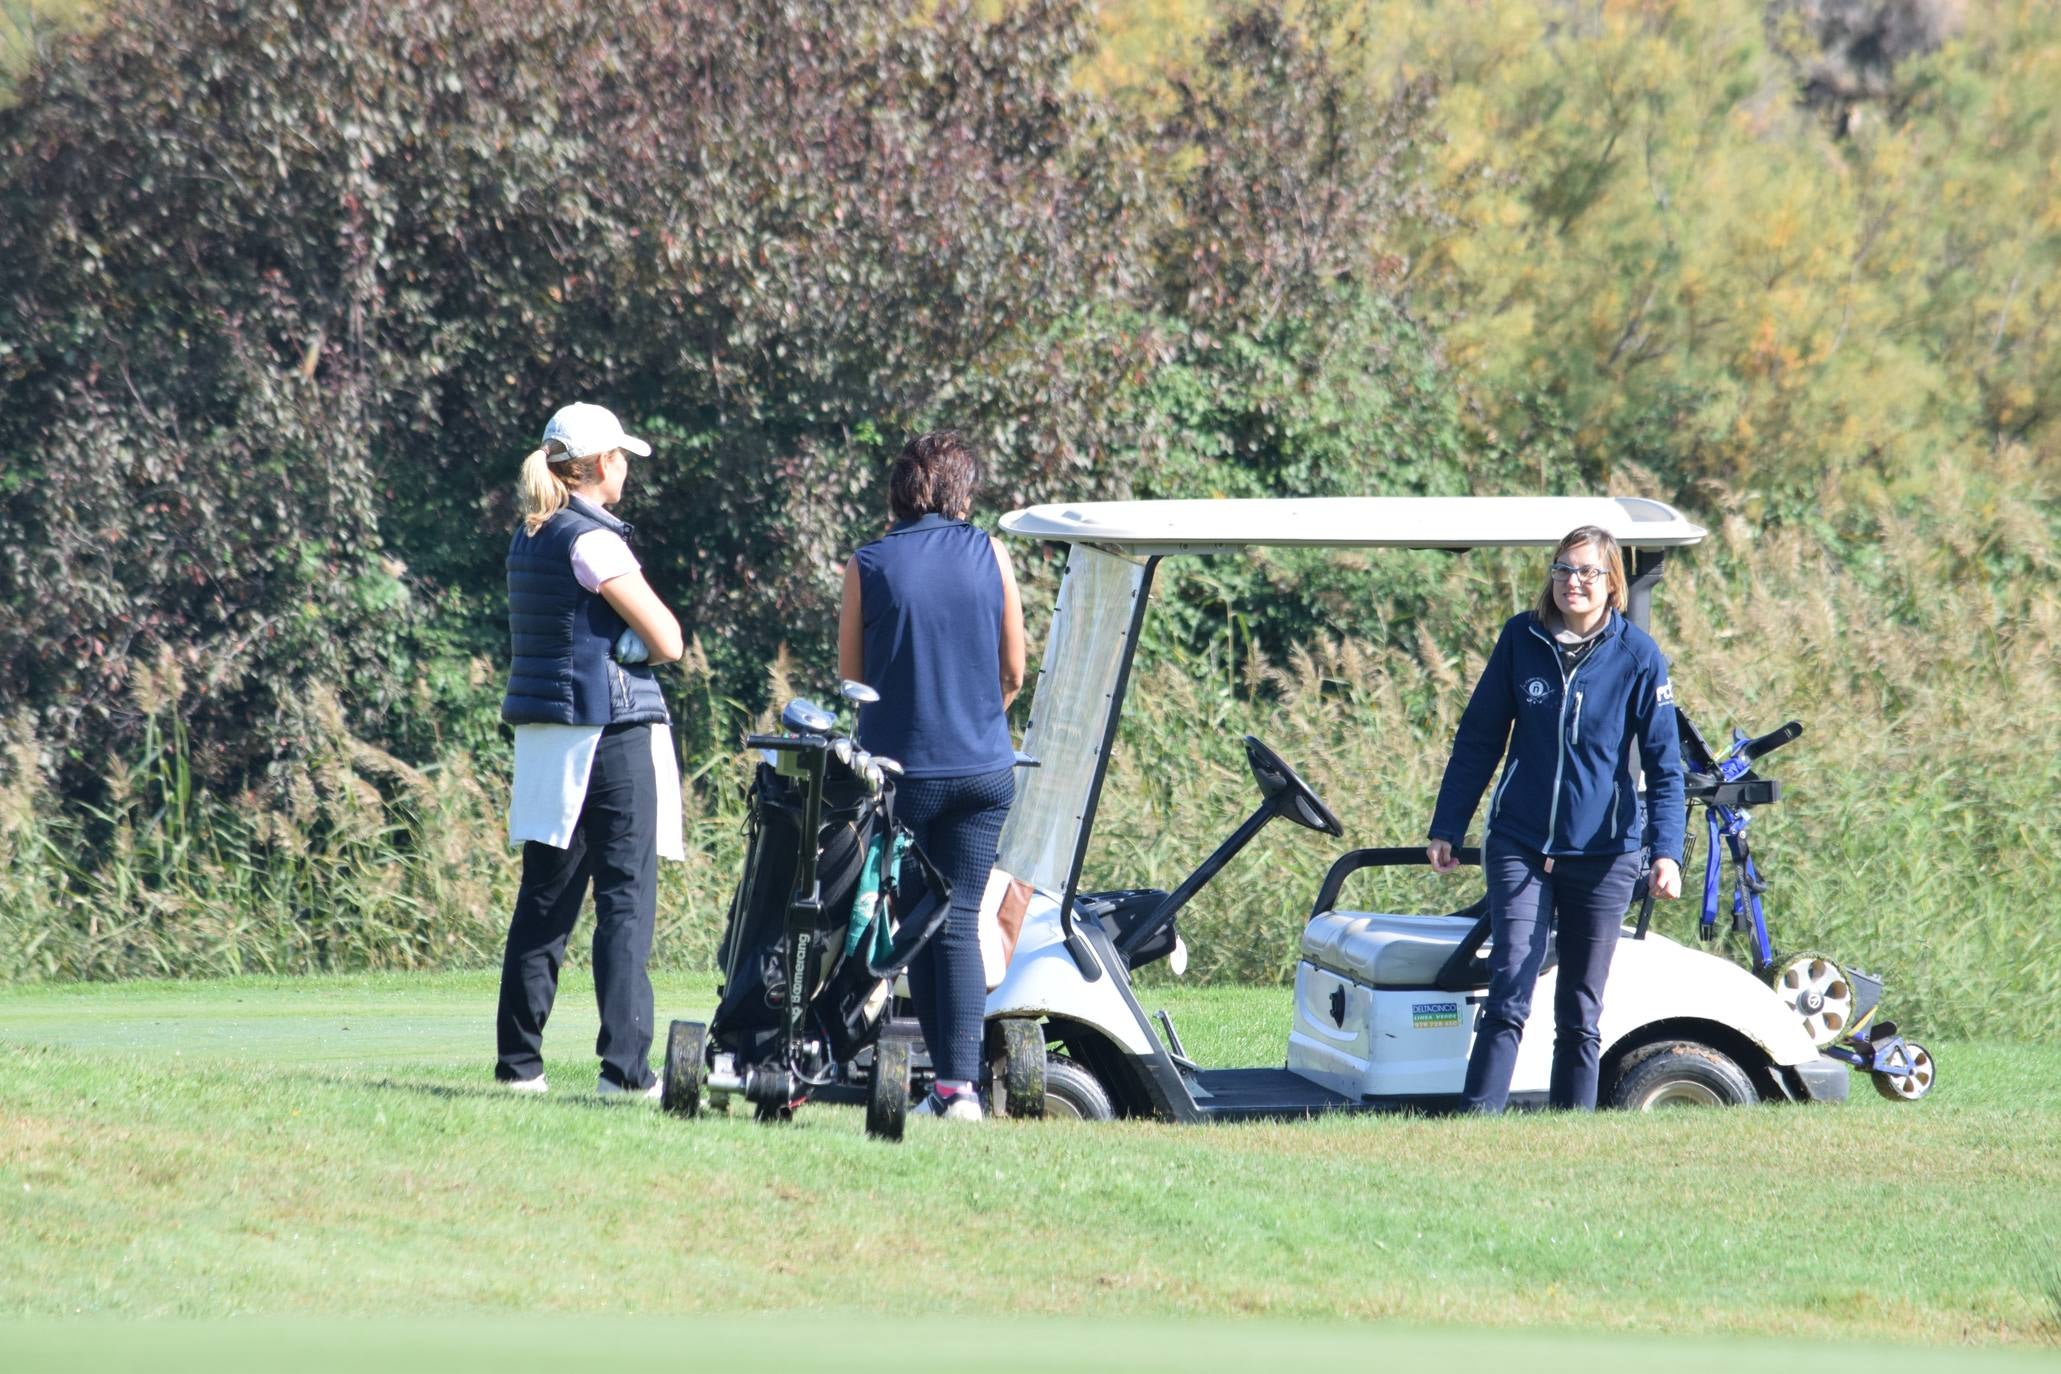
[
  {"x": 1771, "y": 741},
  {"x": 1396, "y": 856}
]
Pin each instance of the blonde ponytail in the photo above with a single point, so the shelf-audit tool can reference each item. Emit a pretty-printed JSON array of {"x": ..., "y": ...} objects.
[
  {"x": 547, "y": 482},
  {"x": 543, "y": 495}
]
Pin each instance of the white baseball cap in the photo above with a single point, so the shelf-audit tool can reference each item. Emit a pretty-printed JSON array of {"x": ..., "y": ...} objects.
[{"x": 583, "y": 429}]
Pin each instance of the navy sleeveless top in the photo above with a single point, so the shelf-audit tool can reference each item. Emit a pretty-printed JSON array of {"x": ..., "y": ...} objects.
[{"x": 931, "y": 598}]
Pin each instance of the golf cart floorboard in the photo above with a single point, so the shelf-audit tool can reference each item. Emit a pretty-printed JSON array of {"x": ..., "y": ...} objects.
[
  {"x": 1263, "y": 1092},
  {"x": 1251, "y": 1094}
]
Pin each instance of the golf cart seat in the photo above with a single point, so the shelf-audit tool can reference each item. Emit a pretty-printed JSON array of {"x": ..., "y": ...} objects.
[
  {"x": 1379, "y": 950},
  {"x": 1388, "y": 951}
]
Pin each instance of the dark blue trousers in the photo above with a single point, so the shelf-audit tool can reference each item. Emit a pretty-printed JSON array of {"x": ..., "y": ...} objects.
[
  {"x": 956, "y": 822},
  {"x": 1586, "y": 898},
  {"x": 615, "y": 847}
]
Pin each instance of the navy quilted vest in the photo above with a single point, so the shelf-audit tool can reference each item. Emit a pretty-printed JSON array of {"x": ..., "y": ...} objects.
[{"x": 560, "y": 635}]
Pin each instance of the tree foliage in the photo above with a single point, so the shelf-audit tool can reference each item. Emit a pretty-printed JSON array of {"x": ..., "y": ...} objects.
[
  {"x": 290, "y": 291},
  {"x": 1666, "y": 257},
  {"x": 28, "y": 28},
  {"x": 286, "y": 291}
]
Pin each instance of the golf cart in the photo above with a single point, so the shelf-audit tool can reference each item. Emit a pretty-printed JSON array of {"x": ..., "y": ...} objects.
[{"x": 1384, "y": 1002}]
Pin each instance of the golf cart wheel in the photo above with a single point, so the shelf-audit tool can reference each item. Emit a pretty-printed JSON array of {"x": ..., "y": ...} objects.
[
  {"x": 1819, "y": 992},
  {"x": 1680, "y": 1073},
  {"x": 887, "y": 1100},
  {"x": 686, "y": 1067},
  {"x": 1914, "y": 1085},
  {"x": 1023, "y": 1067},
  {"x": 1072, "y": 1093}
]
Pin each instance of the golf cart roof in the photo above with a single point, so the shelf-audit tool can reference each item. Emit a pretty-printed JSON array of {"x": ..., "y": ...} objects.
[{"x": 1392, "y": 522}]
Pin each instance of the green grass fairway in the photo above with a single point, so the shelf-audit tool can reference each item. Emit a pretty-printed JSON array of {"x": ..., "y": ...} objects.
[{"x": 332, "y": 1149}]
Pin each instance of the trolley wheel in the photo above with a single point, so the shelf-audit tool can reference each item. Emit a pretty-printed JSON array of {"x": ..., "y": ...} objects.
[
  {"x": 1818, "y": 991},
  {"x": 1913, "y": 1085},
  {"x": 1680, "y": 1073},
  {"x": 1023, "y": 1067},
  {"x": 686, "y": 1068},
  {"x": 1074, "y": 1093},
  {"x": 887, "y": 1100}
]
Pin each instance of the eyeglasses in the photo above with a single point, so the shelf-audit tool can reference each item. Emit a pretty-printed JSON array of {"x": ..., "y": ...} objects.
[{"x": 1587, "y": 572}]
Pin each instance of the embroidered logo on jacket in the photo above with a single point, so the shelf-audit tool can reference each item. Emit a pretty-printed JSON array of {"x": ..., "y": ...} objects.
[
  {"x": 1664, "y": 694},
  {"x": 1537, "y": 690}
]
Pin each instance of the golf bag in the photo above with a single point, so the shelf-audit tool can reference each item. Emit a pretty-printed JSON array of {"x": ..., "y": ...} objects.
[{"x": 851, "y": 957}]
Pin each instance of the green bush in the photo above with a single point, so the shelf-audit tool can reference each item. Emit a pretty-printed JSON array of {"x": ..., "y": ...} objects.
[{"x": 292, "y": 289}]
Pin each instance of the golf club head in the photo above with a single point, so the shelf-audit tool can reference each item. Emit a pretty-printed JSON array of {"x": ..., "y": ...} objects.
[
  {"x": 805, "y": 717},
  {"x": 842, "y": 749},
  {"x": 887, "y": 766},
  {"x": 857, "y": 693}
]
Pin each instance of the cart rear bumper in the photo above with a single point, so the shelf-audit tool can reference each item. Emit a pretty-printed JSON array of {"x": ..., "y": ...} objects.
[{"x": 1823, "y": 1079}]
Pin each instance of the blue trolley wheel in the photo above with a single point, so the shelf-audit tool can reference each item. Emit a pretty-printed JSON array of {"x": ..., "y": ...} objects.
[{"x": 1910, "y": 1086}]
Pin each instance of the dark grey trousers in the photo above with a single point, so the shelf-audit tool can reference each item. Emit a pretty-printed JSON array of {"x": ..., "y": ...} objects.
[
  {"x": 1588, "y": 896},
  {"x": 615, "y": 846}
]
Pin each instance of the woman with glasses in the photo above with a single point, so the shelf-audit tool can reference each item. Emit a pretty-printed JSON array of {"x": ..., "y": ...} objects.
[{"x": 1575, "y": 702}]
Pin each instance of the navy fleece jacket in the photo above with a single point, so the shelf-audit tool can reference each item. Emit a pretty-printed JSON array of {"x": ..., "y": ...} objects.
[{"x": 1576, "y": 742}]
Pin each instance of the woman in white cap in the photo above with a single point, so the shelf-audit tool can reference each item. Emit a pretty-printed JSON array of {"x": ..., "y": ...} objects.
[{"x": 597, "y": 787}]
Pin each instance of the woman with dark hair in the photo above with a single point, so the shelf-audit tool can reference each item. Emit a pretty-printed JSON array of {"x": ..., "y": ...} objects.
[
  {"x": 1582, "y": 699},
  {"x": 931, "y": 620}
]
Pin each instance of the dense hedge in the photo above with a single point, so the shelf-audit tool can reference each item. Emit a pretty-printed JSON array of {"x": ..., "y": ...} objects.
[{"x": 290, "y": 290}]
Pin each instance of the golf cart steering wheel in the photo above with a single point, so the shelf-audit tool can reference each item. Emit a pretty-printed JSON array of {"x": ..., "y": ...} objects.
[{"x": 1289, "y": 794}]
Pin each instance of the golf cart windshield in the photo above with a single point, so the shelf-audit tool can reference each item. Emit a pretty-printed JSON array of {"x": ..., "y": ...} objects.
[
  {"x": 1117, "y": 545},
  {"x": 1089, "y": 649}
]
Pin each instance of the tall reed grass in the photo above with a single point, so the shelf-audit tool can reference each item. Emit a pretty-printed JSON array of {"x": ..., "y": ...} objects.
[
  {"x": 350, "y": 860},
  {"x": 1912, "y": 840}
]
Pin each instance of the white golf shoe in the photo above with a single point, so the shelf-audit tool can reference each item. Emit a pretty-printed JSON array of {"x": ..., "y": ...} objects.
[
  {"x": 609, "y": 1088},
  {"x": 957, "y": 1107}
]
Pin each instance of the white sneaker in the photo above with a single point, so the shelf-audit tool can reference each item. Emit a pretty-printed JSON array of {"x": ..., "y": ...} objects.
[
  {"x": 524, "y": 1085},
  {"x": 609, "y": 1088},
  {"x": 957, "y": 1107}
]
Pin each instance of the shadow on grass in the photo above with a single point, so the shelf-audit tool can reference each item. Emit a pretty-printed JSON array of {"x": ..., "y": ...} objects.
[{"x": 468, "y": 1092}]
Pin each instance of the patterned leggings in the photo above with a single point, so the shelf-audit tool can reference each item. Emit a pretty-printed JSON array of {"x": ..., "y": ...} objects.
[{"x": 957, "y": 822}]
